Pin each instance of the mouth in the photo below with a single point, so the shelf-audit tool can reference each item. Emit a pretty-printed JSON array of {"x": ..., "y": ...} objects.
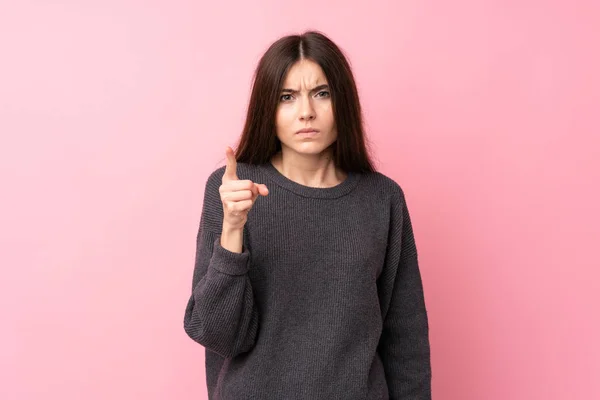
[{"x": 308, "y": 132}]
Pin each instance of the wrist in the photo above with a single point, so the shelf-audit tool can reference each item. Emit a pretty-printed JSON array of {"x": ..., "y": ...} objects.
[
  {"x": 231, "y": 230},
  {"x": 232, "y": 238}
]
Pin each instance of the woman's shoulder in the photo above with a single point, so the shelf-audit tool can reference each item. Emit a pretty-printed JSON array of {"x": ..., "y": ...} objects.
[{"x": 382, "y": 183}]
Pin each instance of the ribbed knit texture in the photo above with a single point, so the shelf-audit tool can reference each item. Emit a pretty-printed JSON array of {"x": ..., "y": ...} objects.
[{"x": 325, "y": 301}]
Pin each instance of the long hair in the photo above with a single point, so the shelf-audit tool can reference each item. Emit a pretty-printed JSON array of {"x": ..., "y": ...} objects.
[{"x": 259, "y": 141}]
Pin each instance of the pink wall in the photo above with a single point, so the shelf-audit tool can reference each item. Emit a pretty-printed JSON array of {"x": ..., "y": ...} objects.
[{"x": 113, "y": 114}]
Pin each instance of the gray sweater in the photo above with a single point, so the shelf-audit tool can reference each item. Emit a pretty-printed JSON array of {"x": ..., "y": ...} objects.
[{"x": 324, "y": 302}]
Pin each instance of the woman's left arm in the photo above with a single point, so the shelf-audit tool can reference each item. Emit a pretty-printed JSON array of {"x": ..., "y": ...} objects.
[{"x": 404, "y": 343}]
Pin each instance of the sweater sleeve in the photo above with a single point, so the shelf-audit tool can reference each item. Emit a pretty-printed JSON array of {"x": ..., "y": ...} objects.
[
  {"x": 221, "y": 314},
  {"x": 404, "y": 343}
]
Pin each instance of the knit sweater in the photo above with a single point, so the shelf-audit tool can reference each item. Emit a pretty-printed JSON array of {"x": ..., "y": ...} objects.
[{"x": 324, "y": 302}]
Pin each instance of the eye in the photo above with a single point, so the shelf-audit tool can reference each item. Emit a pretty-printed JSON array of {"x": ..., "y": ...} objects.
[
  {"x": 323, "y": 93},
  {"x": 285, "y": 97}
]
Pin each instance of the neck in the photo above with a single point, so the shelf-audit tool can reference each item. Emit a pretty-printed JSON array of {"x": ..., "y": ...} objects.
[{"x": 313, "y": 170}]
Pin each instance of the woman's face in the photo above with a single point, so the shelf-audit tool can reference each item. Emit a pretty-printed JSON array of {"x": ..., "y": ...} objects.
[{"x": 305, "y": 102}]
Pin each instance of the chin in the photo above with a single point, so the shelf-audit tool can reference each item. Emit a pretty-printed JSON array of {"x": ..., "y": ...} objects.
[{"x": 310, "y": 149}]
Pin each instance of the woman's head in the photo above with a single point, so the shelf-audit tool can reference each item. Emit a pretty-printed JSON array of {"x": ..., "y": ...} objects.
[{"x": 304, "y": 81}]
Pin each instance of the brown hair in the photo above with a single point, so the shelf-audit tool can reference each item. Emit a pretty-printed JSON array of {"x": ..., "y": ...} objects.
[{"x": 259, "y": 142}]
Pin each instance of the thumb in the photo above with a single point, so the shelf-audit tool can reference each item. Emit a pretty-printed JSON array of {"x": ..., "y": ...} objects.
[
  {"x": 259, "y": 189},
  {"x": 262, "y": 189}
]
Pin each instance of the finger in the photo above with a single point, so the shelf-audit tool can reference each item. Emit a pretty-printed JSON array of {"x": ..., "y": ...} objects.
[
  {"x": 232, "y": 186},
  {"x": 243, "y": 205},
  {"x": 238, "y": 196},
  {"x": 231, "y": 167}
]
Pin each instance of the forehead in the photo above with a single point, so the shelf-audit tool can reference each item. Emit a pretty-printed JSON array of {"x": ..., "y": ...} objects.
[{"x": 305, "y": 73}]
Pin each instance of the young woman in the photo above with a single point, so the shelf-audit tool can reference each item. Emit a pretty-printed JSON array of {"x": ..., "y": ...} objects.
[{"x": 306, "y": 282}]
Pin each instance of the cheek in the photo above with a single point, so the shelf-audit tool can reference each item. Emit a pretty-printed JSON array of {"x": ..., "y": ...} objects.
[
  {"x": 326, "y": 113},
  {"x": 285, "y": 115}
]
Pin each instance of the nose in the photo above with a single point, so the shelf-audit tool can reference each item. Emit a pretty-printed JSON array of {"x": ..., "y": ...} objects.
[
  {"x": 307, "y": 112},
  {"x": 307, "y": 117}
]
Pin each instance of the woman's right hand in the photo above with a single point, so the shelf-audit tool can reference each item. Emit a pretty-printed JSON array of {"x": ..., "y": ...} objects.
[{"x": 238, "y": 196}]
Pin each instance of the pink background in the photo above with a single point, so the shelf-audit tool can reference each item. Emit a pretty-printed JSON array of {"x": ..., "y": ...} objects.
[{"x": 113, "y": 113}]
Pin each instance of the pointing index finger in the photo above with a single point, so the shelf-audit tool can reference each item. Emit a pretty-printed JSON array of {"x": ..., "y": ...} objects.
[{"x": 231, "y": 166}]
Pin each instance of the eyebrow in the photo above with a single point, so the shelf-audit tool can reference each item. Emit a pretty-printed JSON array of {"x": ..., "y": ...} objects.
[{"x": 316, "y": 89}]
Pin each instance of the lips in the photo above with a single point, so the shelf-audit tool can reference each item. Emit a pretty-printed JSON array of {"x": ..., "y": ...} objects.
[
  {"x": 308, "y": 131},
  {"x": 308, "y": 134}
]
